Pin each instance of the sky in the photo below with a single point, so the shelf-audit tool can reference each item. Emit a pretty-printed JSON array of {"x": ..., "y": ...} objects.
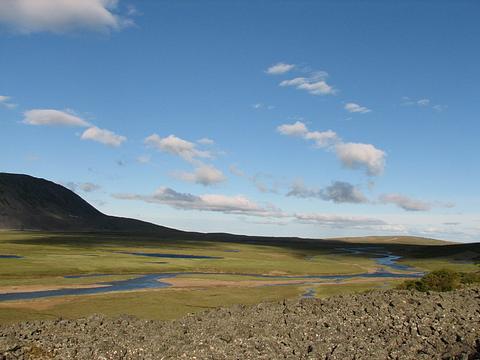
[{"x": 285, "y": 118}]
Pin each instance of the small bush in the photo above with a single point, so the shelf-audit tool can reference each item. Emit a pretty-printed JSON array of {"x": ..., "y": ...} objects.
[{"x": 441, "y": 280}]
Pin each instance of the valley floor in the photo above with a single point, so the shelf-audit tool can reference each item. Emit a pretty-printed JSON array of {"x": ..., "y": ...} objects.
[{"x": 50, "y": 275}]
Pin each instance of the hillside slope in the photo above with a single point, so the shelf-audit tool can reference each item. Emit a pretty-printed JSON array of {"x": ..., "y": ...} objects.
[{"x": 29, "y": 203}]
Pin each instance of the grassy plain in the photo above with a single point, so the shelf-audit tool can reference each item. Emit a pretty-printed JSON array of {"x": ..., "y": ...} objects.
[{"x": 48, "y": 257}]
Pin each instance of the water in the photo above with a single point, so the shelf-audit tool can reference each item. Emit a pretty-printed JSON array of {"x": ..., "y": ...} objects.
[
  {"x": 382, "y": 257},
  {"x": 151, "y": 281},
  {"x": 85, "y": 276},
  {"x": 10, "y": 257},
  {"x": 171, "y": 256}
]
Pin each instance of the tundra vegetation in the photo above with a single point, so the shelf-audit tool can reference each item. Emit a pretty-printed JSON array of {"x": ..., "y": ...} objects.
[{"x": 47, "y": 260}]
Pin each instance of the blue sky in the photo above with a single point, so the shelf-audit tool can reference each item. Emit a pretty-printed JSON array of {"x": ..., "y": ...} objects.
[{"x": 305, "y": 118}]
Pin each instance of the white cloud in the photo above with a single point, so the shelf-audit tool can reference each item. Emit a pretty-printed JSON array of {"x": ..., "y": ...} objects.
[
  {"x": 322, "y": 138},
  {"x": 439, "y": 108},
  {"x": 358, "y": 155},
  {"x": 264, "y": 183},
  {"x": 355, "y": 108},
  {"x": 279, "y": 68},
  {"x": 59, "y": 16},
  {"x": 206, "y": 141},
  {"x": 423, "y": 102},
  {"x": 85, "y": 187},
  {"x": 405, "y": 202},
  {"x": 426, "y": 103},
  {"x": 238, "y": 205},
  {"x": 296, "y": 129},
  {"x": 410, "y": 204},
  {"x": 144, "y": 159},
  {"x": 236, "y": 171},
  {"x": 313, "y": 86},
  {"x": 53, "y": 117},
  {"x": 103, "y": 136},
  {"x": 337, "y": 221},
  {"x": 352, "y": 155},
  {"x": 89, "y": 187},
  {"x": 261, "y": 106},
  {"x": 5, "y": 101},
  {"x": 338, "y": 192},
  {"x": 205, "y": 175},
  {"x": 176, "y": 146}
]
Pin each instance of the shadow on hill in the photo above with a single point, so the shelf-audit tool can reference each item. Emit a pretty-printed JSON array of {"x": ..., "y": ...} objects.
[{"x": 299, "y": 246}]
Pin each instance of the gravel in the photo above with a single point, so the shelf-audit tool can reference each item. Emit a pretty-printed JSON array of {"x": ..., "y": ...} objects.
[{"x": 388, "y": 324}]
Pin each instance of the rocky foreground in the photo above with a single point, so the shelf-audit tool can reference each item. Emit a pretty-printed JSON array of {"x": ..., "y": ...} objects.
[{"x": 374, "y": 325}]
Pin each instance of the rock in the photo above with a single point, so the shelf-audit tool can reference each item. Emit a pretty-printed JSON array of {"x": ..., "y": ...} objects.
[{"x": 374, "y": 325}]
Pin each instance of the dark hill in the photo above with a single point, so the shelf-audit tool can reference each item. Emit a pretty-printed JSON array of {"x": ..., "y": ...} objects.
[{"x": 30, "y": 203}]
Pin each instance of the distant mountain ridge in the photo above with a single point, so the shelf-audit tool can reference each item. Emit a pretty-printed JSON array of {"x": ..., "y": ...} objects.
[{"x": 30, "y": 203}]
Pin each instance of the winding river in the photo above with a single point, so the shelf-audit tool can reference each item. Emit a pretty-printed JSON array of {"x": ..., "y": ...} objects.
[{"x": 160, "y": 280}]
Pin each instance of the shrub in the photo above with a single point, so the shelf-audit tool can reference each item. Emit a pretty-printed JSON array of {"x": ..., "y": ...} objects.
[{"x": 441, "y": 280}]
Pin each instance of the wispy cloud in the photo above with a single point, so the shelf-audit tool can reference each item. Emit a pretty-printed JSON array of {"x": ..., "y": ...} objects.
[
  {"x": 280, "y": 68},
  {"x": 262, "y": 106},
  {"x": 204, "y": 175},
  {"x": 51, "y": 117},
  {"x": 405, "y": 202},
  {"x": 206, "y": 141},
  {"x": 86, "y": 187},
  {"x": 235, "y": 170},
  {"x": 425, "y": 103},
  {"x": 31, "y": 16},
  {"x": 263, "y": 182},
  {"x": 337, "y": 191},
  {"x": 315, "y": 84},
  {"x": 177, "y": 146},
  {"x": 351, "y": 155},
  {"x": 103, "y": 136},
  {"x": 410, "y": 204},
  {"x": 355, "y": 108},
  {"x": 144, "y": 159},
  {"x": 299, "y": 129},
  {"x": 237, "y": 205},
  {"x": 5, "y": 101},
  {"x": 338, "y": 221}
]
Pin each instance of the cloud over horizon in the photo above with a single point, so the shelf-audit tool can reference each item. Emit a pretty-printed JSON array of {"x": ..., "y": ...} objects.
[
  {"x": 337, "y": 221},
  {"x": 237, "y": 205},
  {"x": 337, "y": 191}
]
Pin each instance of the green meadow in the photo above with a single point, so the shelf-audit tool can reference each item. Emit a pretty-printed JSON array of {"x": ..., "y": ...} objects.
[{"x": 46, "y": 258}]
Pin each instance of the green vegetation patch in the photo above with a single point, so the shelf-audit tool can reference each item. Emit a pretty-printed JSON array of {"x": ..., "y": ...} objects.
[{"x": 441, "y": 280}]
